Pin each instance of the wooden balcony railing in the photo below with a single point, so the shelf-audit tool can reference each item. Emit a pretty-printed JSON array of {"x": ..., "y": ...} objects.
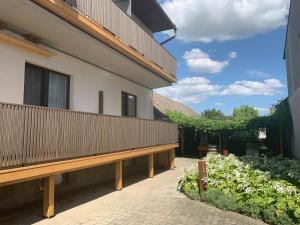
[
  {"x": 110, "y": 16},
  {"x": 30, "y": 135}
]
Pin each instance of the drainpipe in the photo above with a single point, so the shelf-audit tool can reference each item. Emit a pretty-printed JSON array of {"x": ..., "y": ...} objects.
[{"x": 171, "y": 38}]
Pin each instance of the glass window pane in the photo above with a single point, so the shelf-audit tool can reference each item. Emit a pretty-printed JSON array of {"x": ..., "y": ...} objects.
[
  {"x": 58, "y": 91},
  {"x": 33, "y": 86},
  {"x": 131, "y": 106},
  {"x": 124, "y": 104},
  {"x": 128, "y": 105}
]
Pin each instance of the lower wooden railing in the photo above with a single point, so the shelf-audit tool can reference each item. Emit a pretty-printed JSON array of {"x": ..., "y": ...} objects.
[{"x": 31, "y": 135}]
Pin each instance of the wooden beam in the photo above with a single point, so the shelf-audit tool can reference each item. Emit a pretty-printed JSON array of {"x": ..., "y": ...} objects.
[
  {"x": 118, "y": 175},
  {"x": 2, "y": 25},
  {"x": 280, "y": 141},
  {"x": 171, "y": 154},
  {"x": 151, "y": 165},
  {"x": 61, "y": 9},
  {"x": 48, "y": 207},
  {"x": 12, "y": 176},
  {"x": 22, "y": 43}
]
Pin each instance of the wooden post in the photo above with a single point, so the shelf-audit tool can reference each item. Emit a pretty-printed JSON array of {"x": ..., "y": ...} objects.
[
  {"x": 171, "y": 159},
  {"x": 2, "y": 25},
  {"x": 281, "y": 141},
  {"x": 220, "y": 144},
  {"x": 182, "y": 142},
  {"x": 48, "y": 208},
  {"x": 118, "y": 175},
  {"x": 150, "y": 166},
  {"x": 202, "y": 175}
]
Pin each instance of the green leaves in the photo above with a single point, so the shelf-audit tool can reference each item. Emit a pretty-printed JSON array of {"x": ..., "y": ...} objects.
[
  {"x": 260, "y": 188},
  {"x": 297, "y": 213},
  {"x": 244, "y": 119}
]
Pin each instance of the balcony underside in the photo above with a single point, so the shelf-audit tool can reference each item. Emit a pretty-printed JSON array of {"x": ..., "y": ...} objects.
[{"x": 89, "y": 42}]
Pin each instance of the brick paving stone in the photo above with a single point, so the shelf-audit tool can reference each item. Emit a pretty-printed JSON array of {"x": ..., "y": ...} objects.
[{"x": 153, "y": 201}]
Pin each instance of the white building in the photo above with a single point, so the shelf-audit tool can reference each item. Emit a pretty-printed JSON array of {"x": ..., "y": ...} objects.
[
  {"x": 292, "y": 57},
  {"x": 69, "y": 71}
]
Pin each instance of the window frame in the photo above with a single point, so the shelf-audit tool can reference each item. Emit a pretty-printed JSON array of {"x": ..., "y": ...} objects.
[
  {"x": 126, "y": 104},
  {"x": 45, "y": 84},
  {"x": 101, "y": 102}
]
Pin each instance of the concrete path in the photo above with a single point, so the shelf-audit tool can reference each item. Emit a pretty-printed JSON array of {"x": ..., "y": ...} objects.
[{"x": 141, "y": 202}]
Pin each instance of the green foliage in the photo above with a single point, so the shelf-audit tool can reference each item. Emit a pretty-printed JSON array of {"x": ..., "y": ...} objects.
[
  {"x": 213, "y": 114},
  {"x": 245, "y": 120},
  {"x": 270, "y": 216},
  {"x": 282, "y": 115},
  {"x": 208, "y": 125},
  {"x": 215, "y": 196},
  {"x": 258, "y": 187},
  {"x": 245, "y": 112}
]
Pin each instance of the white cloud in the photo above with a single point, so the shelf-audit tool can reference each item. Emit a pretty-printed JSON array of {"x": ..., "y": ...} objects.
[
  {"x": 190, "y": 90},
  {"x": 222, "y": 20},
  {"x": 200, "y": 61},
  {"x": 218, "y": 103},
  {"x": 249, "y": 88},
  {"x": 232, "y": 55},
  {"x": 262, "y": 111},
  {"x": 258, "y": 74},
  {"x": 197, "y": 89}
]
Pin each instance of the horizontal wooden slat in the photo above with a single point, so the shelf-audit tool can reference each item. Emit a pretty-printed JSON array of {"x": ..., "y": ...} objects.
[{"x": 31, "y": 135}]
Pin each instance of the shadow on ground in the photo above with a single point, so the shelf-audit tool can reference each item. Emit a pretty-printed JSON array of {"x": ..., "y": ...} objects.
[{"x": 32, "y": 213}]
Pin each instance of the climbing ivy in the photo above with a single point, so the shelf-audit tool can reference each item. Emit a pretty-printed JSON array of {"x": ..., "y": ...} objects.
[{"x": 280, "y": 116}]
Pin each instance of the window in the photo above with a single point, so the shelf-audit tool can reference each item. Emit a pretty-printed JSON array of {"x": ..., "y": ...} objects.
[
  {"x": 46, "y": 88},
  {"x": 128, "y": 105},
  {"x": 101, "y": 102}
]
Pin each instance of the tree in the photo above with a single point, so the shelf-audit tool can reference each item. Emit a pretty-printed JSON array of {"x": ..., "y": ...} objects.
[
  {"x": 213, "y": 114},
  {"x": 245, "y": 112}
]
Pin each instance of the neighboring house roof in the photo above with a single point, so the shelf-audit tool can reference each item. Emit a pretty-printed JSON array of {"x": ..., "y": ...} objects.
[{"x": 161, "y": 105}]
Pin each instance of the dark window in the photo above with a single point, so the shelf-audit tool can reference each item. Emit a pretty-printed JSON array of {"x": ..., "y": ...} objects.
[
  {"x": 128, "y": 105},
  {"x": 101, "y": 102},
  {"x": 46, "y": 88}
]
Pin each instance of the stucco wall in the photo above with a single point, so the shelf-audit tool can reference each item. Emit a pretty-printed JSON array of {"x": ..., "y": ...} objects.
[
  {"x": 294, "y": 101},
  {"x": 292, "y": 57},
  {"x": 85, "y": 82}
]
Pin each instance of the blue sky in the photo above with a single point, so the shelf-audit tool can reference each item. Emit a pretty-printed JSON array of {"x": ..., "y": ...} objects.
[{"x": 221, "y": 67}]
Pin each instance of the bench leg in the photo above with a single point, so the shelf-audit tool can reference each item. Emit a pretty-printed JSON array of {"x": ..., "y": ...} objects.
[
  {"x": 118, "y": 175},
  {"x": 150, "y": 166},
  {"x": 172, "y": 159},
  {"x": 48, "y": 206}
]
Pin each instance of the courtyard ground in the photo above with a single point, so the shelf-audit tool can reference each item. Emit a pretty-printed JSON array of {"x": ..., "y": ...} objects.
[{"x": 143, "y": 201}]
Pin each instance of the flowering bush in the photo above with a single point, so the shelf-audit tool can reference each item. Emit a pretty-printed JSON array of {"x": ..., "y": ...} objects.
[{"x": 258, "y": 187}]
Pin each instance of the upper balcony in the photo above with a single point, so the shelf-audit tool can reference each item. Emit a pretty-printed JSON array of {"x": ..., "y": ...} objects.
[
  {"x": 100, "y": 33},
  {"x": 134, "y": 23}
]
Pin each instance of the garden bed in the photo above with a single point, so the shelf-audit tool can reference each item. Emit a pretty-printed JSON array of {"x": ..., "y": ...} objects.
[{"x": 267, "y": 189}]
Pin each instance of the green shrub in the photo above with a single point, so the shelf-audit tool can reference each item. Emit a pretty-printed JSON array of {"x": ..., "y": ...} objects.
[
  {"x": 270, "y": 217},
  {"x": 218, "y": 198},
  {"x": 258, "y": 187}
]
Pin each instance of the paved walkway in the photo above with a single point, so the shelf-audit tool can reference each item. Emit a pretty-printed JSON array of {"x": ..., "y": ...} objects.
[{"x": 142, "y": 202}]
